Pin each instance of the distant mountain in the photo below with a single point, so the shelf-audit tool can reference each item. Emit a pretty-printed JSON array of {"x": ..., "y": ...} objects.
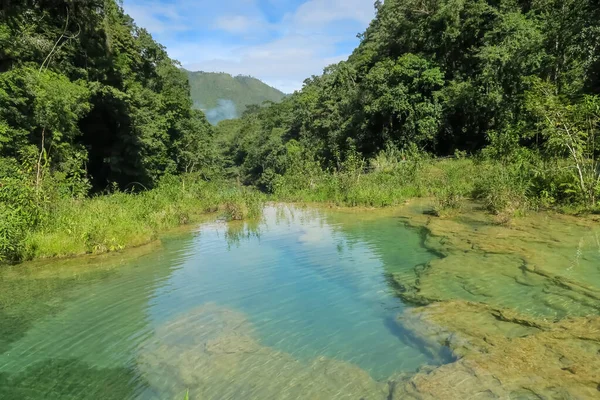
[{"x": 222, "y": 96}]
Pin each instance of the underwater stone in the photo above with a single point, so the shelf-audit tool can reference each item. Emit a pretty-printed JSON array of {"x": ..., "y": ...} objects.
[{"x": 503, "y": 354}]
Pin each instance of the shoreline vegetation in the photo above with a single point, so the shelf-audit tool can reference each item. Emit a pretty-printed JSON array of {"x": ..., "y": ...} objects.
[{"x": 65, "y": 226}]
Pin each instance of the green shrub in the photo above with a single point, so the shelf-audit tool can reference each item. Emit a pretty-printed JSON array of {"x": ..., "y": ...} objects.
[
  {"x": 502, "y": 189},
  {"x": 118, "y": 220},
  {"x": 13, "y": 229},
  {"x": 447, "y": 202},
  {"x": 19, "y": 210}
]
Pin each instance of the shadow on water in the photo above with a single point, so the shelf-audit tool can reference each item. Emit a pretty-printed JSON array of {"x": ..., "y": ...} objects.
[
  {"x": 406, "y": 293},
  {"x": 31, "y": 299},
  {"x": 424, "y": 234},
  {"x": 438, "y": 354},
  {"x": 70, "y": 379}
]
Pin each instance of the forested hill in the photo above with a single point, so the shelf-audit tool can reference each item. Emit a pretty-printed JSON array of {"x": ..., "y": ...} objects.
[
  {"x": 441, "y": 76},
  {"x": 86, "y": 95},
  {"x": 222, "y": 96}
]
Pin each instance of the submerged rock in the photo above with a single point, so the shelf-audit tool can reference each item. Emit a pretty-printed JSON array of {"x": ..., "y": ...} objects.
[
  {"x": 543, "y": 265},
  {"x": 517, "y": 306},
  {"x": 211, "y": 351},
  {"x": 504, "y": 355}
]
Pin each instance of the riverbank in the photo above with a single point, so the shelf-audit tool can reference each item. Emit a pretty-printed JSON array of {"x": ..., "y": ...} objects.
[
  {"x": 77, "y": 226},
  {"x": 50, "y": 224},
  {"x": 505, "y": 189}
]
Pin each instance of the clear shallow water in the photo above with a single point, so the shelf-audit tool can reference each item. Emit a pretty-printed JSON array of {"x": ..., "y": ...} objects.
[{"x": 276, "y": 300}]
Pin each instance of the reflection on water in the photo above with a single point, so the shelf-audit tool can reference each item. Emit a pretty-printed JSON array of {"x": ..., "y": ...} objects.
[
  {"x": 298, "y": 302},
  {"x": 304, "y": 304},
  {"x": 308, "y": 286}
]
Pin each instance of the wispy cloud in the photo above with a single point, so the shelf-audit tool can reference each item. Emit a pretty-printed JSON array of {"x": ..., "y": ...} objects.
[
  {"x": 281, "y": 42},
  {"x": 239, "y": 24}
]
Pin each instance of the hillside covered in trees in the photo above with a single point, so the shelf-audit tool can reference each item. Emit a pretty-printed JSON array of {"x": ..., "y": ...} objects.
[
  {"x": 222, "y": 96},
  {"x": 516, "y": 82},
  {"x": 87, "y": 94}
]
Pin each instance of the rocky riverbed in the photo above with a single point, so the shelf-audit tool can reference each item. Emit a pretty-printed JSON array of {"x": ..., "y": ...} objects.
[{"x": 517, "y": 305}]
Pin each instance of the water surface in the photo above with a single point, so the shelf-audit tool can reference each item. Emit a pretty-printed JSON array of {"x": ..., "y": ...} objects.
[{"x": 296, "y": 303}]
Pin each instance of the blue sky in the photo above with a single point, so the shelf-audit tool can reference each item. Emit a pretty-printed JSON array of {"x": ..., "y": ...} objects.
[{"x": 281, "y": 42}]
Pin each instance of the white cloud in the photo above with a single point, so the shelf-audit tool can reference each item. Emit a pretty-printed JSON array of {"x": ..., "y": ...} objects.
[
  {"x": 236, "y": 38},
  {"x": 283, "y": 63},
  {"x": 155, "y": 17},
  {"x": 320, "y": 12},
  {"x": 238, "y": 23}
]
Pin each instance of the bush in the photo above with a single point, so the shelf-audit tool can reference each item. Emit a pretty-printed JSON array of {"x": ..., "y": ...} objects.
[
  {"x": 447, "y": 202},
  {"x": 19, "y": 211},
  {"x": 502, "y": 189},
  {"x": 13, "y": 229}
]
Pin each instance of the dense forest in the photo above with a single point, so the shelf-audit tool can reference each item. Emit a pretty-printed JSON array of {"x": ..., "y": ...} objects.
[
  {"x": 511, "y": 80},
  {"x": 86, "y": 93},
  {"x": 223, "y": 96},
  {"x": 90, "y": 104}
]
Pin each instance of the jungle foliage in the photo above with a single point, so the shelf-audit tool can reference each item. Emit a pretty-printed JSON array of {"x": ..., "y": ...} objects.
[
  {"x": 89, "y": 103},
  {"x": 87, "y": 93},
  {"x": 514, "y": 84}
]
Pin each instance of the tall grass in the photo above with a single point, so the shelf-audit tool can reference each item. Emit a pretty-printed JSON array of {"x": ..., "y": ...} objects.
[
  {"x": 505, "y": 186},
  {"x": 114, "y": 221},
  {"x": 63, "y": 225},
  {"x": 390, "y": 185}
]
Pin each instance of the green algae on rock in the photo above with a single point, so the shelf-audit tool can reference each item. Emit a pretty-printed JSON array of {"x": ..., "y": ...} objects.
[
  {"x": 544, "y": 264},
  {"x": 518, "y": 305},
  {"x": 69, "y": 379},
  {"x": 504, "y": 355}
]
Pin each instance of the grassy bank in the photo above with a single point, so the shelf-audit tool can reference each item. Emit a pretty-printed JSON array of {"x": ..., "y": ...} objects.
[
  {"x": 376, "y": 187},
  {"x": 66, "y": 226},
  {"x": 54, "y": 222},
  {"x": 504, "y": 187}
]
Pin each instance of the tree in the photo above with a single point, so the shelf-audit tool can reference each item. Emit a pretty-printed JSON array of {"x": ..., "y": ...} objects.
[
  {"x": 400, "y": 102},
  {"x": 572, "y": 130},
  {"x": 80, "y": 81}
]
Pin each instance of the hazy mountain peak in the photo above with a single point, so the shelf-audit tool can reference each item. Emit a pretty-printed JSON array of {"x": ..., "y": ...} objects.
[{"x": 223, "y": 96}]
